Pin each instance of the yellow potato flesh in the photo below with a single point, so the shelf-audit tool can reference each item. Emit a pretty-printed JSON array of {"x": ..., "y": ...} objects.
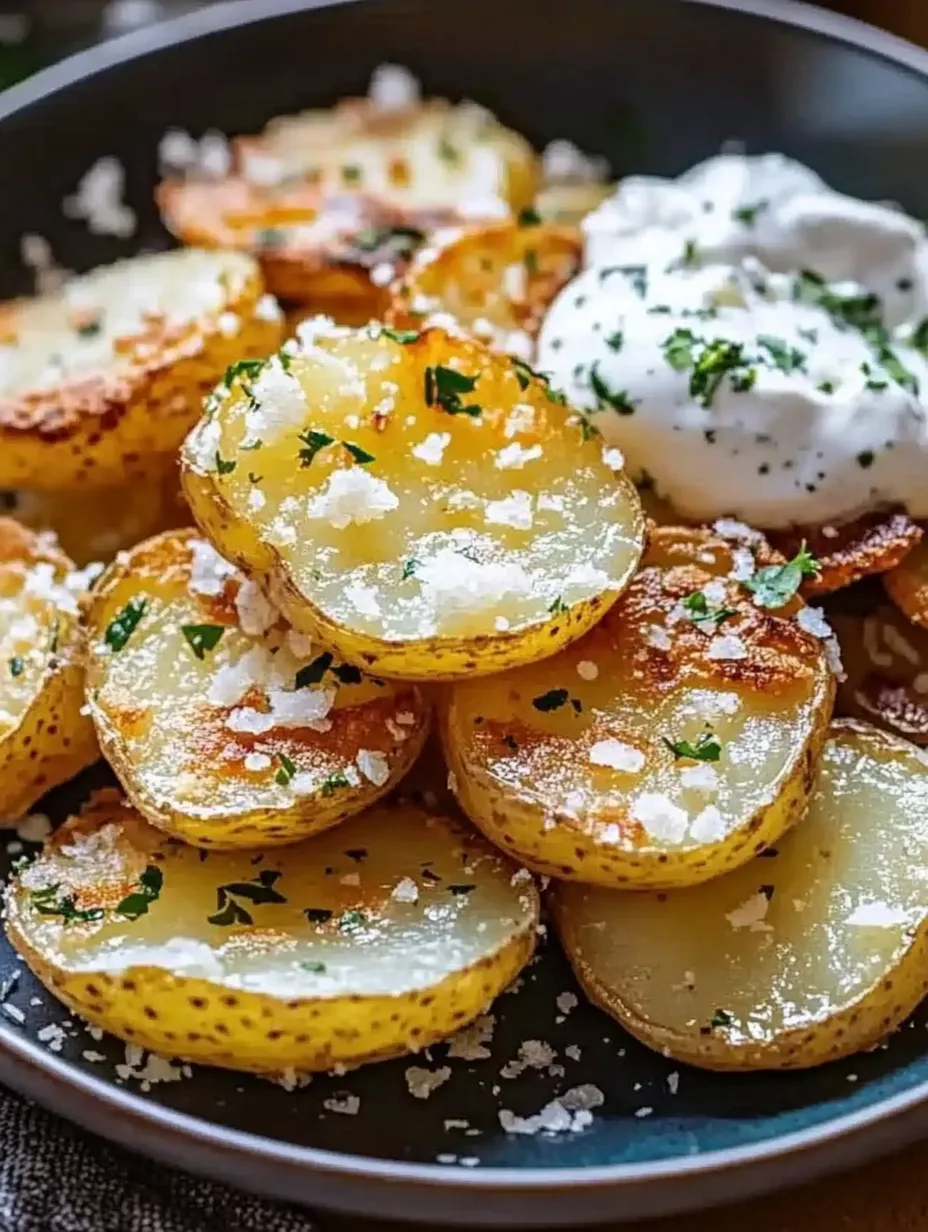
[
  {"x": 378, "y": 938},
  {"x": 219, "y": 743},
  {"x": 566, "y": 763},
  {"x": 792, "y": 960},
  {"x": 489, "y": 537}
]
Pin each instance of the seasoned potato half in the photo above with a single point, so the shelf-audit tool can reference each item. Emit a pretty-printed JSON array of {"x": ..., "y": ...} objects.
[
  {"x": 809, "y": 955},
  {"x": 872, "y": 543},
  {"x": 375, "y": 939},
  {"x": 907, "y": 585},
  {"x": 497, "y": 280},
  {"x": 224, "y": 726},
  {"x": 423, "y": 507},
  {"x": 329, "y": 200},
  {"x": 44, "y": 737},
  {"x": 96, "y": 527},
  {"x": 886, "y": 664},
  {"x": 111, "y": 370},
  {"x": 670, "y": 744}
]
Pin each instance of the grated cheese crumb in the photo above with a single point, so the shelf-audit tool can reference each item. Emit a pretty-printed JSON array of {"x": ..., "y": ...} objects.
[
  {"x": 405, "y": 891},
  {"x": 617, "y": 756},
  {"x": 708, "y": 826},
  {"x": 662, "y": 819},
  {"x": 725, "y": 646},
  {"x": 279, "y": 404},
  {"x": 432, "y": 448},
  {"x": 422, "y": 1082},
  {"x": 353, "y": 495},
  {"x": 750, "y": 914},
  {"x": 515, "y": 456},
  {"x": 513, "y": 510},
  {"x": 346, "y": 1104},
  {"x": 209, "y": 571},
  {"x": 374, "y": 766}
]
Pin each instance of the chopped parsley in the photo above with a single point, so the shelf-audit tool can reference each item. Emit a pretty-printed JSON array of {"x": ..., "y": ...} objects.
[
  {"x": 224, "y": 466},
  {"x": 120, "y": 628},
  {"x": 863, "y": 312},
  {"x": 351, "y": 919},
  {"x": 313, "y": 441},
  {"x": 201, "y": 638},
  {"x": 617, "y": 399},
  {"x": 242, "y": 368},
  {"x": 287, "y": 771},
  {"x": 444, "y": 387},
  {"x": 785, "y": 357},
  {"x": 16, "y": 665},
  {"x": 614, "y": 341},
  {"x": 721, "y": 1018},
  {"x": 775, "y": 585},
  {"x": 256, "y": 890},
  {"x": 558, "y": 607},
  {"x": 400, "y": 335},
  {"x": 706, "y": 748},
  {"x": 314, "y": 968},
  {"x": 529, "y": 217},
  {"x": 331, "y": 785},
  {"x": 360, "y": 455},
  {"x": 865, "y": 459},
  {"x": 700, "y": 612},
  {"x": 90, "y": 328},
  {"x": 410, "y": 568},
  {"x": 826, "y": 387},
  {"x": 313, "y": 672},
  {"x": 897, "y": 370},
  {"x": 552, "y": 700},
  {"x": 351, "y": 174},
  {"x": 919, "y": 338},
  {"x": 709, "y": 363},
  {"x": 47, "y": 902},
  {"x": 252, "y": 446},
  {"x": 403, "y": 241},
  {"x": 151, "y": 879},
  {"x": 588, "y": 430},
  {"x": 747, "y": 214}
]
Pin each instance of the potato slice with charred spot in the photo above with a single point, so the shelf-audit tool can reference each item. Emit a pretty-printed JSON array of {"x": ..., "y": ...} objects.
[
  {"x": 97, "y": 378},
  {"x": 872, "y": 543},
  {"x": 907, "y": 585},
  {"x": 423, "y": 507},
  {"x": 671, "y": 744},
  {"x": 378, "y": 938},
  {"x": 496, "y": 280},
  {"x": 44, "y": 737},
  {"x": 809, "y": 955},
  {"x": 225, "y": 727}
]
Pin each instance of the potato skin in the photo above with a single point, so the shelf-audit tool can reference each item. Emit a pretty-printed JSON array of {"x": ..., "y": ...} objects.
[
  {"x": 907, "y": 585},
  {"x": 52, "y": 740}
]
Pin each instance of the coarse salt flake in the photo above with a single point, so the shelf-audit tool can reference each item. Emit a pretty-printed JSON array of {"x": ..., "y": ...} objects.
[
  {"x": 353, "y": 495},
  {"x": 617, "y": 756}
]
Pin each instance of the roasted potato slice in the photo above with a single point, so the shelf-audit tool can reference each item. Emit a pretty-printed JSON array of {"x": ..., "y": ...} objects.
[
  {"x": 224, "y": 726},
  {"x": 423, "y": 507},
  {"x": 812, "y": 954},
  {"x": 109, "y": 521},
  {"x": 329, "y": 200},
  {"x": 886, "y": 664},
  {"x": 672, "y": 743},
  {"x": 44, "y": 736},
  {"x": 872, "y": 543},
  {"x": 101, "y": 376},
  {"x": 907, "y": 584},
  {"x": 496, "y": 280},
  {"x": 375, "y": 939}
]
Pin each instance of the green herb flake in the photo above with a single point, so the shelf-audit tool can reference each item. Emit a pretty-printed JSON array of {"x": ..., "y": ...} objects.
[
  {"x": 444, "y": 387},
  {"x": 409, "y": 569},
  {"x": 313, "y": 672},
  {"x": 706, "y": 748},
  {"x": 351, "y": 174},
  {"x": 617, "y": 399},
  {"x": 865, "y": 459},
  {"x": 121, "y": 626},
  {"x": 47, "y": 902},
  {"x": 314, "y": 968},
  {"x": 351, "y": 919},
  {"x": 313, "y": 441},
  {"x": 136, "y": 904},
  {"x": 242, "y": 368},
  {"x": 332, "y": 784},
  {"x": 588, "y": 430},
  {"x": 404, "y": 336},
  {"x": 202, "y": 638},
  {"x": 90, "y": 328},
  {"x": 826, "y": 387},
  {"x": 285, "y": 774},
  {"x": 529, "y": 217},
  {"x": 863, "y": 312},
  {"x": 558, "y": 607},
  {"x": 701, "y": 612},
  {"x": 897, "y": 369},
  {"x": 747, "y": 214},
  {"x": 360, "y": 455},
  {"x": 530, "y": 261},
  {"x": 721, "y": 1018},
  {"x": 249, "y": 448},
  {"x": 17, "y": 666},
  {"x": 552, "y": 700},
  {"x": 614, "y": 341},
  {"x": 256, "y": 890},
  {"x": 785, "y": 357},
  {"x": 224, "y": 466},
  {"x": 919, "y": 339},
  {"x": 775, "y": 585}
]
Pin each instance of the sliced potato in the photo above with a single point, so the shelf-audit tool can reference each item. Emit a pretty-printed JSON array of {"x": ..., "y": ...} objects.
[
  {"x": 224, "y": 727},
  {"x": 907, "y": 584},
  {"x": 886, "y": 664},
  {"x": 569, "y": 202},
  {"x": 44, "y": 737},
  {"x": 375, "y": 939},
  {"x": 497, "y": 280},
  {"x": 663, "y": 749},
  {"x": 112, "y": 369},
  {"x": 111, "y": 520},
  {"x": 809, "y": 955},
  {"x": 425, "y": 508},
  {"x": 872, "y": 543},
  {"x": 326, "y": 198}
]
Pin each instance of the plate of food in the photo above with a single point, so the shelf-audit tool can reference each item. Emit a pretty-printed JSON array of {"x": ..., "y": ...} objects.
[{"x": 464, "y": 686}]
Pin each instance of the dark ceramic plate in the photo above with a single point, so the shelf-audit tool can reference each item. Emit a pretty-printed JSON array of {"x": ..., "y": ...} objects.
[{"x": 655, "y": 84}]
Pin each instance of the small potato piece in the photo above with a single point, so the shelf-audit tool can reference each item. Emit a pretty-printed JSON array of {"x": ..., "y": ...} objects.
[
  {"x": 497, "y": 280},
  {"x": 224, "y": 727},
  {"x": 872, "y": 543},
  {"x": 661, "y": 750},
  {"x": 423, "y": 507},
  {"x": 95, "y": 528},
  {"x": 570, "y": 202},
  {"x": 907, "y": 585},
  {"x": 44, "y": 738},
  {"x": 97, "y": 378},
  {"x": 379, "y": 938},
  {"x": 809, "y": 955}
]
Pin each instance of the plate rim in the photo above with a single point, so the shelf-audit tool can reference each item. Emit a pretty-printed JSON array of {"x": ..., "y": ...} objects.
[{"x": 127, "y": 1118}]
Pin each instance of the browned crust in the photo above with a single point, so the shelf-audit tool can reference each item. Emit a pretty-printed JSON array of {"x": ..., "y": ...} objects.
[{"x": 872, "y": 543}]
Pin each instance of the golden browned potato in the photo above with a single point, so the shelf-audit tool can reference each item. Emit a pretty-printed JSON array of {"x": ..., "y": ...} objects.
[
  {"x": 424, "y": 508},
  {"x": 672, "y": 743},
  {"x": 814, "y": 952},
  {"x": 44, "y": 736},
  {"x": 870, "y": 544},
  {"x": 102, "y": 378},
  {"x": 224, "y": 726},
  {"x": 333, "y": 202},
  {"x": 907, "y": 584},
  {"x": 378, "y": 938},
  {"x": 496, "y": 279}
]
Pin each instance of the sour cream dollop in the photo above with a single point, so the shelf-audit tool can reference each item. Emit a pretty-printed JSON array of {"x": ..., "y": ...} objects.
[{"x": 752, "y": 341}]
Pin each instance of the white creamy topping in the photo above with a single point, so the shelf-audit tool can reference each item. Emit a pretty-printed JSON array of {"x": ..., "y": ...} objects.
[
  {"x": 353, "y": 495},
  {"x": 746, "y": 336}
]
